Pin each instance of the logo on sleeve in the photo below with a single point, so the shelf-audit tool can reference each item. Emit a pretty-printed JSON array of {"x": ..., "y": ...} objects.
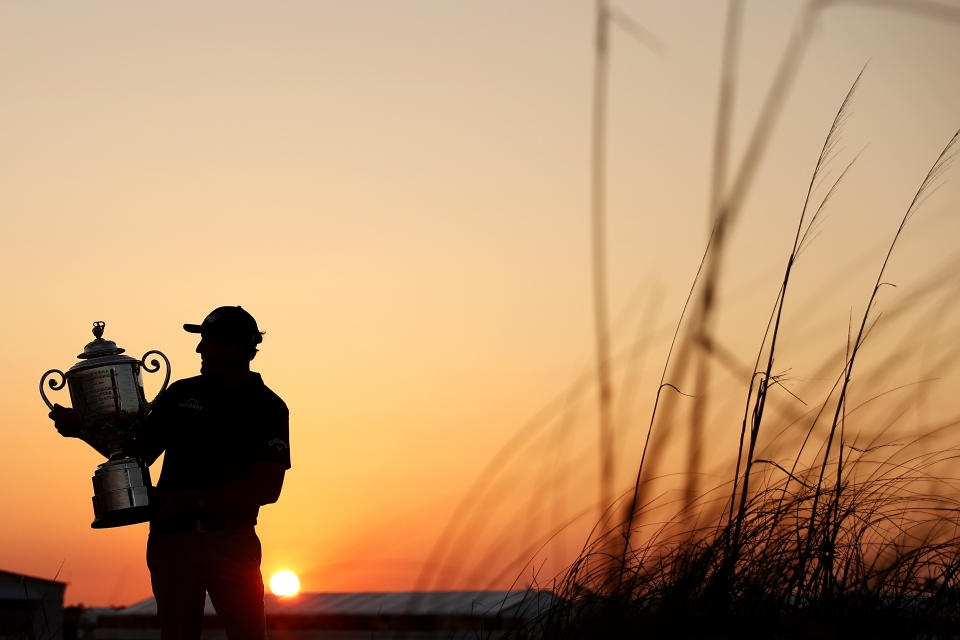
[{"x": 278, "y": 443}]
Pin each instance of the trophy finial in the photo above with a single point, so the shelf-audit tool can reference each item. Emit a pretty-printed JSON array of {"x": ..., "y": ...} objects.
[{"x": 99, "y": 347}]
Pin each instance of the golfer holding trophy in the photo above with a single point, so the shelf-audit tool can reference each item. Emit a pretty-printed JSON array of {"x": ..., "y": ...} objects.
[{"x": 225, "y": 437}]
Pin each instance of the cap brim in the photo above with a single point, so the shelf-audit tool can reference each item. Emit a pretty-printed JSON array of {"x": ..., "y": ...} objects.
[{"x": 192, "y": 328}]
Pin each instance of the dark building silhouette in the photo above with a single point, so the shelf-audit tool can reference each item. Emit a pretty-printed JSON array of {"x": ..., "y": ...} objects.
[{"x": 30, "y": 607}]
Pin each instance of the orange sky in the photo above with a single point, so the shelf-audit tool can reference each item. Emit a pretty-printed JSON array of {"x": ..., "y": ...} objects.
[{"x": 399, "y": 192}]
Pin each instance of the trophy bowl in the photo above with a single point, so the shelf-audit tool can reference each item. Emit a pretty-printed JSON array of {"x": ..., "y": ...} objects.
[{"x": 106, "y": 391}]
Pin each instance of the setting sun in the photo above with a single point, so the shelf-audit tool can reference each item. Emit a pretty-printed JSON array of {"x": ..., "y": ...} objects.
[{"x": 284, "y": 583}]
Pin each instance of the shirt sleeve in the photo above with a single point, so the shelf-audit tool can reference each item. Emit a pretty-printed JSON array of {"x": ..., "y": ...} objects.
[{"x": 275, "y": 442}]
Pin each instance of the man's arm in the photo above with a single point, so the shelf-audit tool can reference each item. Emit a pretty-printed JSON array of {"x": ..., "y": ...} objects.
[
  {"x": 263, "y": 485},
  {"x": 147, "y": 445},
  {"x": 151, "y": 436}
]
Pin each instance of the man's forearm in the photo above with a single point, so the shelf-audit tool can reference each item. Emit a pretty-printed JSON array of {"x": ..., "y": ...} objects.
[
  {"x": 146, "y": 449},
  {"x": 262, "y": 486},
  {"x": 230, "y": 497}
]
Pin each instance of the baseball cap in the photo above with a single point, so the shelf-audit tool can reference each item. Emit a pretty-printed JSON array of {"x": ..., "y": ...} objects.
[{"x": 230, "y": 323}]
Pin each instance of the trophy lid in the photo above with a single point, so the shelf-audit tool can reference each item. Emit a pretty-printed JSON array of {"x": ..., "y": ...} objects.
[{"x": 100, "y": 347}]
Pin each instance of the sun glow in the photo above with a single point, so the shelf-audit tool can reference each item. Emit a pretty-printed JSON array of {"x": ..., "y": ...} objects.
[{"x": 284, "y": 583}]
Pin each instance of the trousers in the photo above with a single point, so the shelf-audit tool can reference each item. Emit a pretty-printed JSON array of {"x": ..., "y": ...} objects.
[{"x": 186, "y": 565}]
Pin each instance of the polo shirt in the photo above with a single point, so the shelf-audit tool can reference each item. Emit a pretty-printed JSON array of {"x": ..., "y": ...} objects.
[{"x": 212, "y": 435}]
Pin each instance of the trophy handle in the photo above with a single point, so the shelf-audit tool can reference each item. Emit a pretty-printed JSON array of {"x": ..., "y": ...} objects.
[
  {"x": 53, "y": 384},
  {"x": 155, "y": 366}
]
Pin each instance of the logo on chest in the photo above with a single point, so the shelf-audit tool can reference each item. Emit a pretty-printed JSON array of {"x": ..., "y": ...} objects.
[{"x": 193, "y": 404}]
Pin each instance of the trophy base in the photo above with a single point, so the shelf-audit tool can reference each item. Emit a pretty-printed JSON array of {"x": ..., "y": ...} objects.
[
  {"x": 121, "y": 493},
  {"x": 121, "y": 518}
]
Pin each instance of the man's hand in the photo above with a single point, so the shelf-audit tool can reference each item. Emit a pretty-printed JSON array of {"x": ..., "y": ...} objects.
[{"x": 66, "y": 420}]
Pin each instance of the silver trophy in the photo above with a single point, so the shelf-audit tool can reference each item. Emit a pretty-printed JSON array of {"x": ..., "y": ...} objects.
[{"x": 106, "y": 390}]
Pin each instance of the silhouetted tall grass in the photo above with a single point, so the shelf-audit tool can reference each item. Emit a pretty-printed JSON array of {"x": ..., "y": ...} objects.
[
  {"x": 848, "y": 540},
  {"x": 820, "y": 530},
  {"x": 835, "y": 538}
]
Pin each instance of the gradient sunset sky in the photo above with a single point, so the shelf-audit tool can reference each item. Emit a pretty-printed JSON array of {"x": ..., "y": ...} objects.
[{"x": 399, "y": 192}]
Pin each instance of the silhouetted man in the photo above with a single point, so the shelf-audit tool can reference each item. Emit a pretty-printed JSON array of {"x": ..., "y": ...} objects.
[{"x": 226, "y": 441}]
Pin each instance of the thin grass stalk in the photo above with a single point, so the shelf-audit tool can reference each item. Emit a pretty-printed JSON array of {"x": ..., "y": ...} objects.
[
  {"x": 636, "y": 496},
  {"x": 834, "y": 512},
  {"x": 703, "y": 328},
  {"x": 599, "y": 267}
]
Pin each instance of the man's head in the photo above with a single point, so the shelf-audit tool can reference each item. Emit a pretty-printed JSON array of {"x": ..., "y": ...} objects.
[{"x": 228, "y": 341}]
